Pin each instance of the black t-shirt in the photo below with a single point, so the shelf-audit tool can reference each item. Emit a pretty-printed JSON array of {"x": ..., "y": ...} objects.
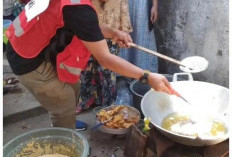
[{"x": 78, "y": 20}]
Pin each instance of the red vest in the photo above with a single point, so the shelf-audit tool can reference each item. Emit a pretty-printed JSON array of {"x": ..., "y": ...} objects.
[{"x": 29, "y": 38}]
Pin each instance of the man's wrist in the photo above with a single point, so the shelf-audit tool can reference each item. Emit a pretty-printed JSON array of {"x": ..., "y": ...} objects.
[
  {"x": 145, "y": 77},
  {"x": 107, "y": 32},
  {"x": 113, "y": 32}
]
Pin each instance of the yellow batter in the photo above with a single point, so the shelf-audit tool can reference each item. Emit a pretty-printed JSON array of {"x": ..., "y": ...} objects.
[{"x": 54, "y": 155}]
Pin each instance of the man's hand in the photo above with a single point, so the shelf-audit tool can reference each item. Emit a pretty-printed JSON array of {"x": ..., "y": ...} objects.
[
  {"x": 122, "y": 38},
  {"x": 159, "y": 83},
  {"x": 118, "y": 65}
]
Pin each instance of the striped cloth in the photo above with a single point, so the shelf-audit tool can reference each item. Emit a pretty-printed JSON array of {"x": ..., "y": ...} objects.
[{"x": 139, "y": 15}]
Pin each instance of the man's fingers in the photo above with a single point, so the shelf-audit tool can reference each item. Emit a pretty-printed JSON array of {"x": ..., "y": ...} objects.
[
  {"x": 168, "y": 86},
  {"x": 166, "y": 90},
  {"x": 120, "y": 44},
  {"x": 127, "y": 40},
  {"x": 122, "y": 38},
  {"x": 167, "y": 83}
]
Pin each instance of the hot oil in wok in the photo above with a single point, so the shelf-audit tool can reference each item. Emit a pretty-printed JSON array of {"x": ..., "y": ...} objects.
[
  {"x": 178, "y": 123},
  {"x": 184, "y": 125},
  {"x": 218, "y": 128}
]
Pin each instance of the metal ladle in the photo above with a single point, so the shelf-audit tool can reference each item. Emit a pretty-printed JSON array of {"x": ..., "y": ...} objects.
[{"x": 190, "y": 64}]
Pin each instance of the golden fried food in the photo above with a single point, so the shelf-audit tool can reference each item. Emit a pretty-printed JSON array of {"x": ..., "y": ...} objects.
[{"x": 122, "y": 117}]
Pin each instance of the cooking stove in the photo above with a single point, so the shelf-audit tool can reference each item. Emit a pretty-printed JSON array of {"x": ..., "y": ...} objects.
[{"x": 153, "y": 144}]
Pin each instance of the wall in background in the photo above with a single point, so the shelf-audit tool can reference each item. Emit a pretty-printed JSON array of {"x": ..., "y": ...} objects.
[{"x": 188, "y": 28}]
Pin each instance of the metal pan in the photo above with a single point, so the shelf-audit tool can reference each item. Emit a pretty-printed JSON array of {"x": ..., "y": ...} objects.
[
  {"x": 207, "y": 99},
  {"x": 115, "y": 131}
]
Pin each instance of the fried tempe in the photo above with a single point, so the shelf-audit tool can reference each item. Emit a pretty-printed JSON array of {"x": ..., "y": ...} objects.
[{"x": 121, "y": 117}]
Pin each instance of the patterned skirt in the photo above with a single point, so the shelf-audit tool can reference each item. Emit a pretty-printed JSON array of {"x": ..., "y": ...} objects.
[{"x": 97, "y": 84}]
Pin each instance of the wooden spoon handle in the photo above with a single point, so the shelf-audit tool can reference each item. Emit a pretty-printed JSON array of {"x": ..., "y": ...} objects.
[{"x": 157, "y": 54}]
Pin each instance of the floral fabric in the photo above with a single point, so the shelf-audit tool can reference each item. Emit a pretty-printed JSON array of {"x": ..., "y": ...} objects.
[
  {"x": 97, "y": 84},
  {"x": 114, "y": 14}
]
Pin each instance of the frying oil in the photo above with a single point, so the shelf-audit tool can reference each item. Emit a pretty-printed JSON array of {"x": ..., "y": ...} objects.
[
  {"x": 218, "y": 128},
  {"x": 184, "y": 125},
  {"x": 173, "y": 119}
]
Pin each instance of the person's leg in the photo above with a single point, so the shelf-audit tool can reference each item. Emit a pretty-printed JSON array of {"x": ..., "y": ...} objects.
[
  {"x": 76, "y": 88},
  {"x": 57, "y": 97}
]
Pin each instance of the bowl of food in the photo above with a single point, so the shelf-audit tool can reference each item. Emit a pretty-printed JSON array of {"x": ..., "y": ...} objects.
[
  {"x": 48, "y": 142},
  {"x": 121, "y": 118}
]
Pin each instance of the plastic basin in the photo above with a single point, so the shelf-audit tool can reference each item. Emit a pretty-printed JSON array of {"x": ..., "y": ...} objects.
[{"x": 48, "y": 135}]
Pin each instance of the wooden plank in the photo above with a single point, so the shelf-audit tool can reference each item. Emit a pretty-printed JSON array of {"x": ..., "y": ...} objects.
[
  {"x": 149, "y": 153},
  {"x": 156, "y": 140},
  {"x": 135, "y": 143},
  {"x": 154, "y": 144},
  {"x": 218, "y": 150}
]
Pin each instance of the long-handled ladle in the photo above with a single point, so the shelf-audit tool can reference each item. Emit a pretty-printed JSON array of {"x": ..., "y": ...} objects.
[{"x": 192, "y": 64}]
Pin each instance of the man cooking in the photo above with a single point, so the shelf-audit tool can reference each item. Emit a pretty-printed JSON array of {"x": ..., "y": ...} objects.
[{"x": 50, "y": 43}]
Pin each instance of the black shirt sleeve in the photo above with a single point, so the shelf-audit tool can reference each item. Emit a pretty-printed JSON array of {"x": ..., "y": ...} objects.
[
  {"x": 78, "y": 20},
  {"x": 83, "y": 22}
]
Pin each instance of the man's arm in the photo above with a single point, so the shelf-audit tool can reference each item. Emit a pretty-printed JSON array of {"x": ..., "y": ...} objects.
[
  {"x": 85, "y": 25},
  {"x": 101, "y": 52}
]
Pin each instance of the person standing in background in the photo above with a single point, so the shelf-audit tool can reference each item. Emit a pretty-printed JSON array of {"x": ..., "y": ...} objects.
[
  {"x": 8, "y": 16},
  {"x": 97, "y": 85},
  {"x": 143, "y": 14},
  {"x": 11, "y": 9},
  {"x": 8, "y": 6},
  {"x": 19, "y": 6}
]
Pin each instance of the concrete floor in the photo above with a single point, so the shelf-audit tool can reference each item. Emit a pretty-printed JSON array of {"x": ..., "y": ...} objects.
[
  {"x": 101, "y": 144},
  {"x": 22, "y": 113}
]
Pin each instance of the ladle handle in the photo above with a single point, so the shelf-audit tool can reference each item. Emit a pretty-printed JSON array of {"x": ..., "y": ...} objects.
[
  {"x": 157, "y": 54},
  {"x": 178, "y": 95}
]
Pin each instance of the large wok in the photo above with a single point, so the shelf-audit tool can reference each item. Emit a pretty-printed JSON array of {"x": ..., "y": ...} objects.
[{"x": 207, "y": 101}]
